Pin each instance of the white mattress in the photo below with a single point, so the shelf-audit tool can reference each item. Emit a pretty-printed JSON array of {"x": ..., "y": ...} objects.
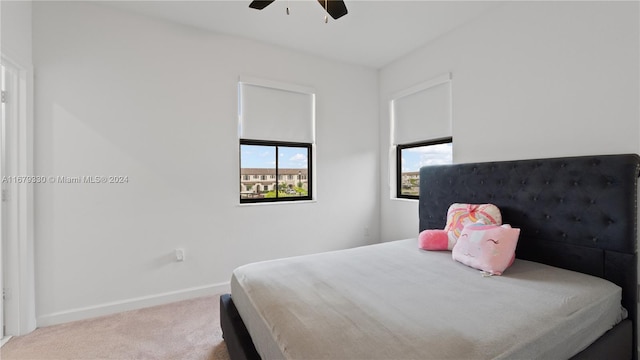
[{"x": 394, "y": 301}]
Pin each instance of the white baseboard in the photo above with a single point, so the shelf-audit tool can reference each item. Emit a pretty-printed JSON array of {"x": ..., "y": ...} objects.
[
  {"x": 4, "y": 340},
  {"x": 130, "y": 304}
]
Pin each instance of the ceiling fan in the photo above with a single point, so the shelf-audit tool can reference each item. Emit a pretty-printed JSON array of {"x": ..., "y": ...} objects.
[{"x": 335, "y": 8}]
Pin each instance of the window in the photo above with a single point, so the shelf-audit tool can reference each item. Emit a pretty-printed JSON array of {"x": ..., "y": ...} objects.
[
  {"x": 420, "y": 133},
  {"x": 411, "y": 157},
  {"x": 289, "y": 162},
  {"x": 276, "y": 130}
]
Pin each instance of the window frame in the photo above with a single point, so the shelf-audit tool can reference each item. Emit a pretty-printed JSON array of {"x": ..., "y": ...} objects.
[
  {"x": 399, "y": 148},
  {"x": 277, "y": 175}
]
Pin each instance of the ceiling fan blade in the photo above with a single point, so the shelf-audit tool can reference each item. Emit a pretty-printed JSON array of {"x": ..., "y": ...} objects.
[
  {"x": 335, "y": 8},
  {"x": 260, "y": 4}
]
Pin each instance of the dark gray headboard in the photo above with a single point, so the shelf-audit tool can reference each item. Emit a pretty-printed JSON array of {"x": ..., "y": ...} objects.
[{"x": 577, "y": 213}]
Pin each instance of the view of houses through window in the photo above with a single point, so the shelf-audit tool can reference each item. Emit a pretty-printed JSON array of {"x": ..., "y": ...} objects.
[
  {"x": 272, "y": 171},
  {"x": 414, "y": 156}
]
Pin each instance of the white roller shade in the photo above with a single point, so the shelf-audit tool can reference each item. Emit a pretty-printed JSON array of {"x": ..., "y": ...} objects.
[
  {"x": 276, "y": 111},
  {"x": 422, "y": 112}
]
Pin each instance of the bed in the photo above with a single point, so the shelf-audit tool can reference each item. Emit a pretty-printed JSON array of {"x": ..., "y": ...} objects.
[{"x": 575, "y": 213}]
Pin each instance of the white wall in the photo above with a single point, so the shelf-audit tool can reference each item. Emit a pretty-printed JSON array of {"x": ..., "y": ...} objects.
[
  {"x": 121, "y": 94},
  {"x": 15, "y": 31},
  {"x": 530, "y": 80}
]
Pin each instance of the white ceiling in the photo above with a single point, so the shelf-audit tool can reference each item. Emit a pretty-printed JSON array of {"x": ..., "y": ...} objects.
[{"x": 373, "y": 33}]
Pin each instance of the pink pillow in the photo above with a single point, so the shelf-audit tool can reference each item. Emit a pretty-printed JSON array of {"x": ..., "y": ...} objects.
[
  {"x": 489, "y": 248},
  {"x": 434, "y": 240}
]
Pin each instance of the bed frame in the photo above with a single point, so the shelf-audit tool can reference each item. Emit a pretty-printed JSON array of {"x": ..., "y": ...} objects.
[{"x": 577, "y": 213}]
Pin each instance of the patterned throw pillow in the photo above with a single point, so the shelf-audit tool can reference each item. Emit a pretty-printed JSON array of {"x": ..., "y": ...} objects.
[
  {"x": 460, "y": 215},
  {"x": 489, "y": 248}
]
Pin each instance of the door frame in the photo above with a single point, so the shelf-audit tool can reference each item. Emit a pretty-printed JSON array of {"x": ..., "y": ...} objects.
[{"x": 18, "y": 222}]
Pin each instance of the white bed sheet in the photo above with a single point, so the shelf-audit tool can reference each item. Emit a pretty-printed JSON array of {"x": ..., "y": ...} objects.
[{"x": 394, "y": 301}]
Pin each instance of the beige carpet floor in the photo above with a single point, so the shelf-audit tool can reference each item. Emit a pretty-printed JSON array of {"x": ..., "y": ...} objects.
[{"x": 187, "y": 329}]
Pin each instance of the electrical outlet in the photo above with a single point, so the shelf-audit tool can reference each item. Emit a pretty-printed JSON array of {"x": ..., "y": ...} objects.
[{"x": 179, "y": 254}]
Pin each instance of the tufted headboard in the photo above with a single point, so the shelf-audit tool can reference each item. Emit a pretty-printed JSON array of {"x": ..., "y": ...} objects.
[{"x": 577, "y": 213}]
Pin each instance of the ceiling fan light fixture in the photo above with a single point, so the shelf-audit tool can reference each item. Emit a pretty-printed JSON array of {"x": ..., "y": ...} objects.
[{"x": 335, "y": 8}]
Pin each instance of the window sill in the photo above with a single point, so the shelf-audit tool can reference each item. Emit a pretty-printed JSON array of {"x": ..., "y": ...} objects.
[
  {"x": 403, "y": 199},
  {"x": 278, "y": 203}
]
